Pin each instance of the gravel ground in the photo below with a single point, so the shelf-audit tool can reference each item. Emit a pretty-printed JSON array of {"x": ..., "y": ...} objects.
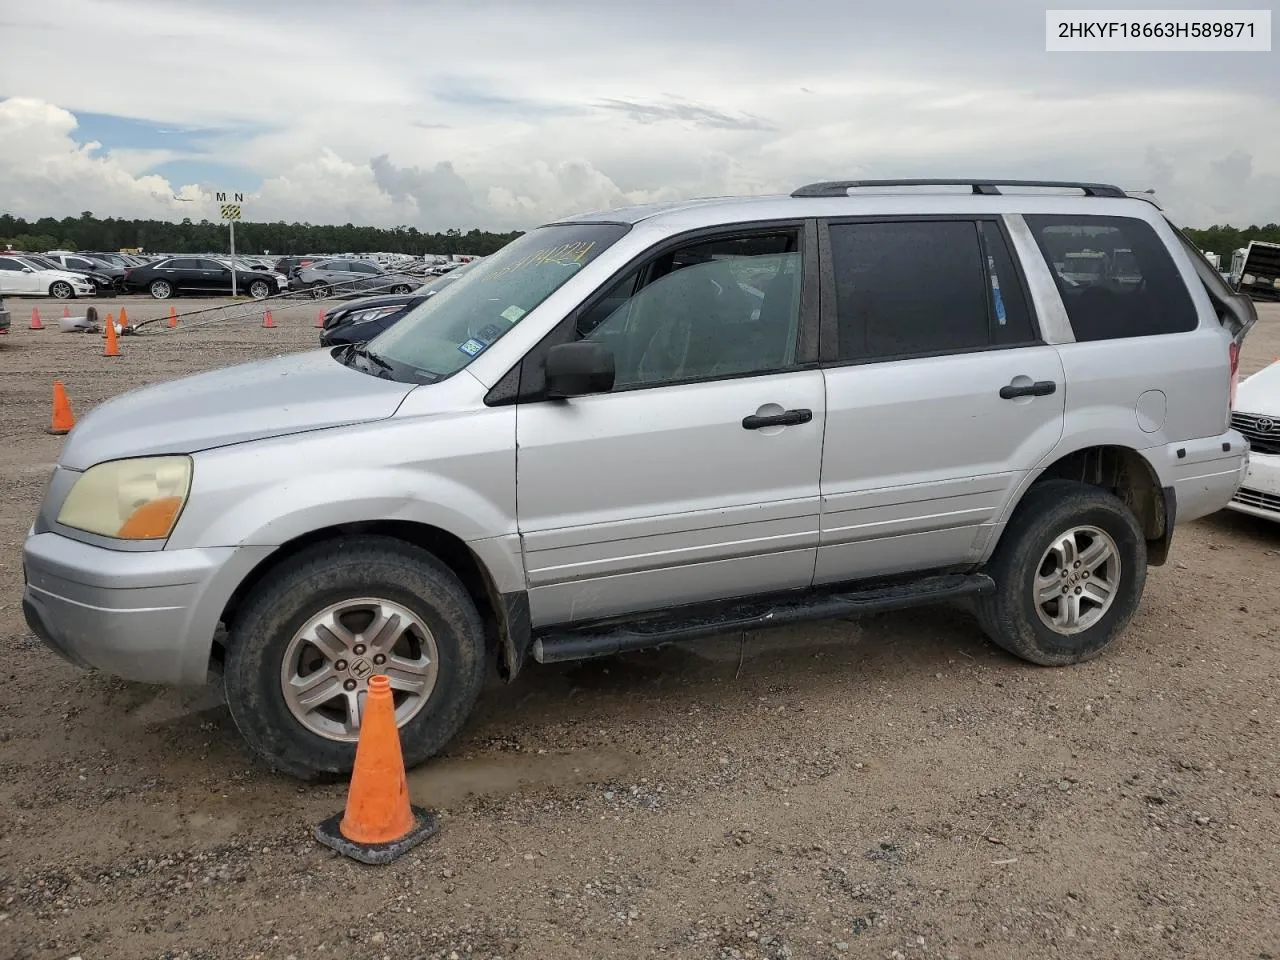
[{"x": 893, "y": 788}]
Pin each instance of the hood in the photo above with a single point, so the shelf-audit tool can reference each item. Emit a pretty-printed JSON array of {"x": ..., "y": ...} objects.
[
  {"x": 68, "y": 275},
  {"x": 1260, "y": 393},
  {"x": 250, "y": 401}
]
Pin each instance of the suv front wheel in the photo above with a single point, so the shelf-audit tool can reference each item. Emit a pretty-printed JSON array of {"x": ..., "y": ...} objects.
[
  {"x": 1069, "y": 572},
  {"x": 310, "y": 636}
]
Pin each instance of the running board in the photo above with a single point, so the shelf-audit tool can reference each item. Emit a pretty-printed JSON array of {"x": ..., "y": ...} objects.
[{"x": 609, "y": 637}]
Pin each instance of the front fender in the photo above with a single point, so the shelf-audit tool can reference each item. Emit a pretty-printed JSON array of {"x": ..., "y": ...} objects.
[
  {"x": 455, "y": 472},
  {"x": 274, "y": 517}
]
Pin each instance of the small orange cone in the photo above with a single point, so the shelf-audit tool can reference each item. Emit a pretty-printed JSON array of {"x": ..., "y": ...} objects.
[
  {"x": 66, "y": 312},
  {"x": 379, "y": 823},
  {"x": 112, "y": 348},
  {"x": 63, "y": 419},
  {"x": 267, "y": 321},
  {"x": 35, "y": 319},
  {"x": 124, "y": 318},
  {"x": 173, "y": 317},
  {"x": 319, "y": 319}
]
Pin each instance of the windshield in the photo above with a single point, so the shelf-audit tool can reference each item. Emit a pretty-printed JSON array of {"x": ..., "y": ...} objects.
[{"x": 447, "y": 331}]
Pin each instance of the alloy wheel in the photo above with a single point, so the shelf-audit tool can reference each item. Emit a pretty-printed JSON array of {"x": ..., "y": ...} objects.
[
  {"x": 328, "y": 663},
  {"x": 1077, "y": 580}
]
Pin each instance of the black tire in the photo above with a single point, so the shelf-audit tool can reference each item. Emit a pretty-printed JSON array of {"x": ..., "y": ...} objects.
[
  {"x": 328, "y": 573},
  {"x": 401, "y": 290},
  {"x": 1048, "y": 510},
  {"x": 161, "y": 289},
  {"x": 61, "y": 290},
  {"x": 259, "y": 290},
  {"x": 319, "y": 290}
]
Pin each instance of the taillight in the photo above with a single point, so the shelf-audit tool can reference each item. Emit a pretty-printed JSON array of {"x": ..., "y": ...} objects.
[{"x": 1234, "y": 353}]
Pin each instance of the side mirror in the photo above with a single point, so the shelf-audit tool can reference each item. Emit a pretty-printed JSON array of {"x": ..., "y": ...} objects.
[
  {"x": 28, "y": 270},
  {"x": 579, "y": 368}
]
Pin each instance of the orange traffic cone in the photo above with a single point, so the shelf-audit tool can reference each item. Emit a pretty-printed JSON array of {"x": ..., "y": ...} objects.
[
  {"x": 66, "y": 312},
  {"x": 173, "y": 317},
  {"x": 35, "y": 319},
  {"x": 63, "y": 419},
  {"x": 319, "y": 319},
  {"x": 112, "y": 348},
  {"x": 379, "y": 823},
  {"x": 267, "y": 321},
  {"x": 124, "y": 318}
]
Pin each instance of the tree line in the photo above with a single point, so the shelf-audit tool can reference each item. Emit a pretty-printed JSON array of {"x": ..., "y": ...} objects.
[
  {"x": 91, "y": 233},
  {"x": 88, "y": 232},
  {"x": 1227, "y": 239}
]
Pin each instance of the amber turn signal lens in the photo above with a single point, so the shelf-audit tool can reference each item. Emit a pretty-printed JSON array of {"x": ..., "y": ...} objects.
[{"x": 151, "y": 521}]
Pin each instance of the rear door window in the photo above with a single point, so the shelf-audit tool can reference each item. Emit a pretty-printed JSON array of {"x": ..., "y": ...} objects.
[
  {"x": 1116, "y": 278},
  {"x": 923, "y": 287}
]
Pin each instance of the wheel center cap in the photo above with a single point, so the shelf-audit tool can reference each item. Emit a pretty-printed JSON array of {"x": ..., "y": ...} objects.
[{"x": 361, "y": 668}]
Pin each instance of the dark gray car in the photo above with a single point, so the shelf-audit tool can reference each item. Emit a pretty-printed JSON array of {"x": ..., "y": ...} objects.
[{"x": 330, "y": 278}]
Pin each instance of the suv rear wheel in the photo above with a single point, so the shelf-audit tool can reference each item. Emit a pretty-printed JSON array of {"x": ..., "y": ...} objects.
[
  {"x": 1069, "y": 572},
  {"x": 311, "y": 635}
]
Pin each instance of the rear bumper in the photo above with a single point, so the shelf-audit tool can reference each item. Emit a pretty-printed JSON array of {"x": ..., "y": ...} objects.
[
  {"x": 144, "y": 616},
  {"x": 1259, "y": 494},
  {"x": 1205, "y": 473}
]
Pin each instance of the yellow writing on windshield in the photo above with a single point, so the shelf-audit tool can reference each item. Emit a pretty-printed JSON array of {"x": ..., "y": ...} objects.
[{"x": 566, "y": 254}]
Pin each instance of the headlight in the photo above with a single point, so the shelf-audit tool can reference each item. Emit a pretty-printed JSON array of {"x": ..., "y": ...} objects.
[
  {"x": 137, "y": 499},
  {"x": 364, "y": 316}
]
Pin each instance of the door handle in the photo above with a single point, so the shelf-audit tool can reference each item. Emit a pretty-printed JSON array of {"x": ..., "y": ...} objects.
[
  {"x": 788, "y": 418},
  {"x": 1041, "y": 388}
]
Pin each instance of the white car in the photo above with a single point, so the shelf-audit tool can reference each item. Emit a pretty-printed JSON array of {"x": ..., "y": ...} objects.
[
  {"x": 1257, "y": 416},
  {"x": 19, "y": 277}
]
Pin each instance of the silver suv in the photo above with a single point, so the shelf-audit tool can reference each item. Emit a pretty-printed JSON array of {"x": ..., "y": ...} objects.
[{"x": 656, "y": 424}]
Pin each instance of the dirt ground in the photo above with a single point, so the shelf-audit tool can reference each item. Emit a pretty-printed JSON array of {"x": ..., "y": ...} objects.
[{"x": 894, "y": 788}]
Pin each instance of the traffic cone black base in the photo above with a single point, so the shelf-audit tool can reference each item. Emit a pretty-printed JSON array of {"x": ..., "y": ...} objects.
[{"x": 425, "y": 826}]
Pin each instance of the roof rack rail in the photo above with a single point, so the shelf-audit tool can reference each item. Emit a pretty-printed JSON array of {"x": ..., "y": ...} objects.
[{"x": 840, "y": 188}]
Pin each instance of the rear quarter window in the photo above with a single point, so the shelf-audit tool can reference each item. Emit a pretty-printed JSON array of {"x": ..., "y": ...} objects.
[{"x": 1115, "y": 275}]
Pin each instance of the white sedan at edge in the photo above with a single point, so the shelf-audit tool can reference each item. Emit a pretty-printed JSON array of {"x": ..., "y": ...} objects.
[
  {"x": 1257, "y": 416},
  {"x": 21, "y": 278}
]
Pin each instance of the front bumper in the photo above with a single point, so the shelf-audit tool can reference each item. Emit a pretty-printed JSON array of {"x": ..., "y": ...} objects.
[
  {"x": 1259, "y": 494},
  {"x": 148, "y": 616}
]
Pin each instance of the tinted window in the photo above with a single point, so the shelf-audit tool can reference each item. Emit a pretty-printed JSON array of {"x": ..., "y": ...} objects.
[
  {"x": 80, "y": 263},
  {"x": 7, "y": 263},
  {"x": 179, "y": 264},
  {"x": 1115, "y": 276},
  {"x": 215, "y": 265},
  {"x": 909, "y": 288},
  {"x": 364, "y": 268},
  {"x": 334, "y": 265},
  {"x": 717, "y": 309}
]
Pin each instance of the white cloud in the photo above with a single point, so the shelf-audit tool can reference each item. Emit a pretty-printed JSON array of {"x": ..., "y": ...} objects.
[{"x": 500, "y": 115}]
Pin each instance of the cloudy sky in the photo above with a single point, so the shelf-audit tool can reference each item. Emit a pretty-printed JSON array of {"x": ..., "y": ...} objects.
[{"x": 499, "y": 115}]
